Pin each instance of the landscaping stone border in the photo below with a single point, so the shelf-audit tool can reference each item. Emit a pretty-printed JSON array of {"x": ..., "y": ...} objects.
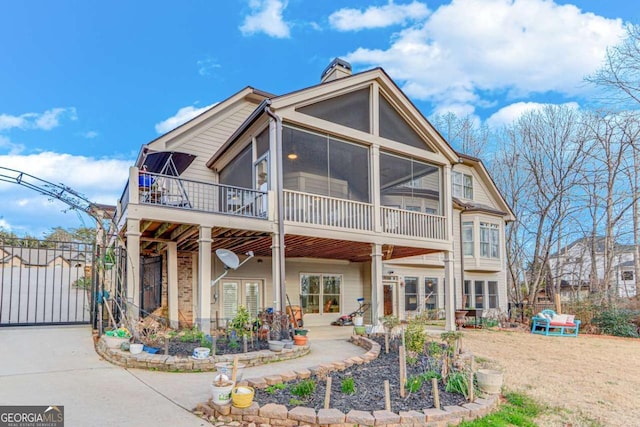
[
  {"x": 161, "y": 362},
  {"x": 278, "y": 415}
]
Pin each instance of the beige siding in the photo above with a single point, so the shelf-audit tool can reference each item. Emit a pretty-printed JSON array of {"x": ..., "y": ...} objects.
[
  {"x": 480, "y": 190},
  {"x": 206, "y": 140}
]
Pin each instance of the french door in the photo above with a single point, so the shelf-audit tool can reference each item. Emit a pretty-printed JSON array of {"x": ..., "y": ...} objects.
[{"x": 249, "y": 293}]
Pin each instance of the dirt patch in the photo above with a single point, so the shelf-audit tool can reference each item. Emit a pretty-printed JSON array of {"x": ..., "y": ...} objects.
[{"x": 588, "y": 380}]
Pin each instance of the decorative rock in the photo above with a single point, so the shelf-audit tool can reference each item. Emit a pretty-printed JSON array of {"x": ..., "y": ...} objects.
[
  {"x": 360, "y": 418},
  {"x": 272, "y": 410},
  {"x": 301, "y": 413},
  {"x": 330, "y": 416},
  {"x": 386, "y": 417}
]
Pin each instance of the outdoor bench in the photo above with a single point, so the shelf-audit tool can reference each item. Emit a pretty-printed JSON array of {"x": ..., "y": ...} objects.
[{"x": 549, "y": 323}]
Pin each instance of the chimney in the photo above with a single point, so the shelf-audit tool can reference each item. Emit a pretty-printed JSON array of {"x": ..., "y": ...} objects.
[{"x": 338, "y": 69}]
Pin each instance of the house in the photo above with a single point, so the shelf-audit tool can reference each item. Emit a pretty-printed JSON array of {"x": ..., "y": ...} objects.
[
  {"x": 25, "y": 257},
  {"x": 572, "y": 265},
  {"x": 337, "y": 191}
]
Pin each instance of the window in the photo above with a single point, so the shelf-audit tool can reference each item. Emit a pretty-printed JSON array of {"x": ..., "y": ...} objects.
[
  {"x": 479, "y": 297},
  {"x": 493, "y": 294},
  {"x": 467, "y": 238},
  {"x": 410, "y": 293},
  {"x": 489, "y": 240},
  {"x": 462, "y": 185},
  {"x": 316, "y": 288},
  {"x": 430, "y": 293},
  {"x": 627, "y": 275}
]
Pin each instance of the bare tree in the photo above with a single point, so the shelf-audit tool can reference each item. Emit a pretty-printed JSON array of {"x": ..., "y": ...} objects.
[{"x": 466, "y": 134}]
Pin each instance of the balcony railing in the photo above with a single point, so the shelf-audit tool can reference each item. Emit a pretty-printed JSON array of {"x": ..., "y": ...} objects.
[
  {"x": 410, "y": 223},
  {"x": 327, "y": 211},
  {"x": 170, "y": 191}
]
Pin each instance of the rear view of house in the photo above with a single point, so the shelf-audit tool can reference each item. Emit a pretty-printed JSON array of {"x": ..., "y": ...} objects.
[{"x": 339, "y": 191}]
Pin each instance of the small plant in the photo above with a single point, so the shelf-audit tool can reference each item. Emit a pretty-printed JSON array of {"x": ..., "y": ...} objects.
[
  {"x": 348, "y": 386},
  {"x": 241, "y": 323},
  {"x": 83, "y": 283},
  {"x": 233, "y": 345},
  {"x": 453, "y": 340},
  {"x": 434, "y": 349},
  {"x": 294, "y": 401},
  {"x": 191, "y": 335},
  {"x": 304, "y": 389},
  {"x": 389, "y": 322},
  {"x": 416, "y": 335},
  {"x": 457, "y": 382},
  {"x": 275, "y": 387},
  {"x": 413, "y": 384},
  {"x": 430, "y": 374}
]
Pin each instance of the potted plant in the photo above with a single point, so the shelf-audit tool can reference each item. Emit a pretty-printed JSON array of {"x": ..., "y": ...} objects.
[
  {"x": 300, "y": 331},
  {"x": 300, "y": 339},
  {"x": 115, "y": 338},
  {"x": 221, "y": 389}
]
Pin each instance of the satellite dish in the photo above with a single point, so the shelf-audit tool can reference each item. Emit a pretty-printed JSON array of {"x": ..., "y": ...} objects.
[{"x": 228, "y": 258}]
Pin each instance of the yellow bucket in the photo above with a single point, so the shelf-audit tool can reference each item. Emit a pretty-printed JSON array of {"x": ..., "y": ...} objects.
[{"x": 242, "y": 396}]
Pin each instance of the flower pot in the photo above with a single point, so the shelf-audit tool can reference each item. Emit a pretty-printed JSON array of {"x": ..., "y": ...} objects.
[
  {"x": 489, "y": 380},
  {"x": 135, "y": 348},
  {"x": 300, "y": 331},
  {"x": 242, "y": 397},
  {"x": 359, "y": 330},
  {"x": 114, "y": 342},
  {"x": 201, "y": 352},
  {"x": 300, "y": 339},
  {"x": 288, "y": 343},
  {"x": 221, "y": 392},
  {"x": 276, "y": 346}
]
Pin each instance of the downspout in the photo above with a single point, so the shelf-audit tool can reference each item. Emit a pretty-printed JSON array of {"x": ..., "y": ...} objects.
[
  {"x": 461, "y": 253},
  {"x": 279, "y": 201}
]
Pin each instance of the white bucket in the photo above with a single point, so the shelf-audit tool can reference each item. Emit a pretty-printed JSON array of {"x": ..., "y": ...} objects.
[
  {"x": 358, "y": 321},
  {"x": 221, "y": 395},
  {"x": 489, "y": 380}
]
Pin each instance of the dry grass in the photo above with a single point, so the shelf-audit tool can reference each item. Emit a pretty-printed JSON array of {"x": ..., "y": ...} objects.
[{"x": 586, "y": 381}]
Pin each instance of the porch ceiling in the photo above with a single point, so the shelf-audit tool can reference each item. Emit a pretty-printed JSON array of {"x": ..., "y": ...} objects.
[{"x": 155, "y": 235}]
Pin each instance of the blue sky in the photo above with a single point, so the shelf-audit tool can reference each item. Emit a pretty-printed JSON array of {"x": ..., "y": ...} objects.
[{"x": 83, "y": 84}]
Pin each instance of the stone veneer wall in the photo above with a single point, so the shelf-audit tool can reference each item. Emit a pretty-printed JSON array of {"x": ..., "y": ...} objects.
[
  {"x": 161, "y": 362},
  {"x": 278, "y": 415}
]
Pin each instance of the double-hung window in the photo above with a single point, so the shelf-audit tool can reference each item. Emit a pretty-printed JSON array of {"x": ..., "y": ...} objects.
[
  {"x": 462, "y": 185},
  {"x": 467, "y": 238},
  {"x": 479, "y": 296},
  {"x": 410, "y": 293},
  {"x": 489, "y": 240}
]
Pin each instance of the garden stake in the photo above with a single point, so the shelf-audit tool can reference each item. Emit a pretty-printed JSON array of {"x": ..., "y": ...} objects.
[
  {"x": 244, "y": 342},
  {"x": 386, "y": 342},
  {"x": 387, "y": 397},
  {"x": 435, "y": 392},
  {"x": 403, "y": 368},
  {"x": 327, "y": 394},
  {"x": 234, "y": 371},
  {"x": 214, "y": 341},
  {"x": 166, "y": 345},
  {"x": 471, "y": 398}
]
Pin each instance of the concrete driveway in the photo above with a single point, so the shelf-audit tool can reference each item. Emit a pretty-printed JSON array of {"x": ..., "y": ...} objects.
[{"x": 59, "y": 366}]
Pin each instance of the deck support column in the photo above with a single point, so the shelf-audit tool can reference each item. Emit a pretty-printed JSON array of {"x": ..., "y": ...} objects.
[
  {"x": 172, "y": 284},
  {"x": 449, "y": 292},
  {"x": 133, "y": 269},
  {"x": 377, "y": 289},
  {"x": 204, "y": 280},
  {"x": 275, "y": 271}
]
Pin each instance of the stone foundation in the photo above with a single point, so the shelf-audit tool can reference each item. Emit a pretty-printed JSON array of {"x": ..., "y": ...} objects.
[{"x": 278, "y": 415}]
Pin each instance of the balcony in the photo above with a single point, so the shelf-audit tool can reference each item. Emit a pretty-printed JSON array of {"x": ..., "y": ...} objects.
[{"x": 299, "y": 208}]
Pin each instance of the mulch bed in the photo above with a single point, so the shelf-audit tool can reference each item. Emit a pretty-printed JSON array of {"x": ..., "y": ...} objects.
[
  {"x": 181, "y": 348},
  {"x": 369, "y": 385}
]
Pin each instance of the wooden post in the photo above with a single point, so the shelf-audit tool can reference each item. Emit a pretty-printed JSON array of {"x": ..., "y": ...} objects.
[
  {"x": 327, "y": 394},
  {"x": 234, "y": 371},
  {"x": 214, "y": 342},
  {"x": 435, "y": 392},
  {"x": 558, "y": 304},
  {"x": 387, "y": 396},
  {"x": 403, "y": 372},
  {"x": 386, "y": 342},
  {"x": 471, "y": 397}
]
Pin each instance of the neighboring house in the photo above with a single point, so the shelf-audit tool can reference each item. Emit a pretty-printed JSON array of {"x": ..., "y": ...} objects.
[
  {"x": 572, "y": 266},
  {"x": 16, "y": 256},
  {"x": 363, "y": 184}
]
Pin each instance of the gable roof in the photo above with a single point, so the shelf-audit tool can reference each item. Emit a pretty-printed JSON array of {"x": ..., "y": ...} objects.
[
  {"x": 504, "y": 209},
  {"x": 599, "y": 244}
]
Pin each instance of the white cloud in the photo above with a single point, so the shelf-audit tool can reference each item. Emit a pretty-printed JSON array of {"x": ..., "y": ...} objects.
[
  {"x": 517, "y": 48},
  {"x": 11, "y": 147},
  {"x": 183, "y": 115},
  {"x": 90, "y": 134},
  {"x": 377, "y": 16},
  {"x": 510, "y": 113},
  {"x": 4, "y": 225},
  {"x": 44, "y": 121},
  {"x": 206, "y": 66},
  {"x": 266, "y": 17}
]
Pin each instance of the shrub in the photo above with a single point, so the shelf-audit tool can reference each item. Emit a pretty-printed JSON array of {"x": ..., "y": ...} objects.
[
  {"x": 415, "y": 336},
  {"x": 348, "y": 386},
  {"x": 275, "y": 387},
  {"x": 614, "y": 321},
  {"x": 413, "y": 384},
  {"x": 430, "y": 374},
  {"x": 304, "y": 388}
]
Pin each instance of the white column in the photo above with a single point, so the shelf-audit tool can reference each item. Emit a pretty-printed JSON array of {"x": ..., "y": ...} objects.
[
  {"x": 275, "y": 271},
  {"x": 172, "y": 283},
  {"x": 133, "y": 268},
  {"x": 204, "y": 280},
  {"x": 375, "y": 187},
  {"x": 377, "y": 289},
  {"x": 449, "y": 292}
]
